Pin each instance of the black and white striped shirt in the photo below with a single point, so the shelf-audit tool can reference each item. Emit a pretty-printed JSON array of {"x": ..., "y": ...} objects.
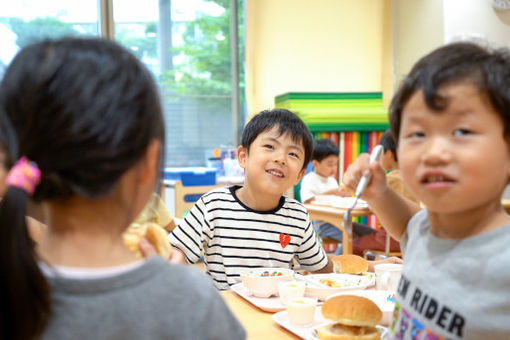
[{"x": 232, "y": 237}]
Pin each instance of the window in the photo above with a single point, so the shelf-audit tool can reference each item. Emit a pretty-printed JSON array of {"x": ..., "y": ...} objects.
[
  {"x": 24, "y": 22},
  {"x": 185, "y": 43}
]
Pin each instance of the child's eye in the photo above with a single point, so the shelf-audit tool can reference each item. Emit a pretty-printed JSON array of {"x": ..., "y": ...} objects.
[
  {"x": 293, "y": 154},
  {"x": 462, "y": 132},
  {"x": 415, "y": 135},
  {"x": 269, "y": 146}
]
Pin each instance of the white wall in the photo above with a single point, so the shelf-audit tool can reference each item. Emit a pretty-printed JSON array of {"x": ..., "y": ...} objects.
[
  {"x": 313, "y": 46},
  {"x": 476, "y": 19},
  {"x": 417, "y": 30}
]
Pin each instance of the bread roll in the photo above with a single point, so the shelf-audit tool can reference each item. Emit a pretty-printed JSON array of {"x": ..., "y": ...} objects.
[
  {"x": 355, "y": 319},
  {"x": 156, "y": 235},
  {"x": 349, "y": 264}
]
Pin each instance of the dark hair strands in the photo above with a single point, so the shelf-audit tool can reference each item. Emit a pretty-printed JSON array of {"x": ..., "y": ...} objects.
[
  {"x": 287, "y": 123},
  {"x": 324, "y": 148},
  {"x": 85, "y": 110},
  {"x": 463, "y": 62}
]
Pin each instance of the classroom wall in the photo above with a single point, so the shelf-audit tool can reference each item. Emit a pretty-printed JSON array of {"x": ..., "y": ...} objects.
[
  {"x": 353, "y": 45},
  {"x": 476, "y": 19},
  {"x": 417, "y": 28},
  {"x": 315, "y": 46}
]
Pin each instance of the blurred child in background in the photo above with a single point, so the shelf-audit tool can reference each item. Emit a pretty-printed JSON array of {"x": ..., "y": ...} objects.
[
  {"x": 322, "y": 181},
  {"x": 86, "y": 131},
  {"x": 377, "y": 240}
]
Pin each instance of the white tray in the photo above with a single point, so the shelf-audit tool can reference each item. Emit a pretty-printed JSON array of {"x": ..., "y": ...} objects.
[
  {"x": 339, "y": 201},
  {"x": 308, "y": 332},
  {"x": 271, "y": 304},
  {"x": 304, "y": 332}
]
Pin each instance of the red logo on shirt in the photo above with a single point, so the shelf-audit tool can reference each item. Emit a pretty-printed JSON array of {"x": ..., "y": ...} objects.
[{"x": 284, "y": 240}]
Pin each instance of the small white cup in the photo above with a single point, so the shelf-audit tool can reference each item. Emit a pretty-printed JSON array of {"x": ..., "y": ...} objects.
[
  {"x": 291, "y": 289},
  {"x": 301, "y": 311},
  {"x": 387, "y": 276}
]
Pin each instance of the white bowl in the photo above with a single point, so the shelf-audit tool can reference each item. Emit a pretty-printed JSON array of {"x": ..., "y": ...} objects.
[{"x": 265, "y": 286}]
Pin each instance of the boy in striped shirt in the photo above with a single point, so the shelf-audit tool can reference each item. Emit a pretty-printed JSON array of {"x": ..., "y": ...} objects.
[{"x": 254, "y": 225}]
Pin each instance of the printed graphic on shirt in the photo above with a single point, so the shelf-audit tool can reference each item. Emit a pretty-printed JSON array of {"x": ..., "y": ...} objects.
[
  {"x": 425, "y": 318},
  {"x": 284, "y": 239}
]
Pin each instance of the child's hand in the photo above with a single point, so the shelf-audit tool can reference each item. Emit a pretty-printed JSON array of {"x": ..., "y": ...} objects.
[
  {"x": 392, "y": 259},
  {"x": 360, "y": 167},
  {"x": 147, "y": 248}
]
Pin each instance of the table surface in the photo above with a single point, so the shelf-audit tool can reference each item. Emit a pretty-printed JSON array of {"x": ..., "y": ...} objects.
[
  {"x": 335, "y": 216},
  {"x": 257, "y": 323}
]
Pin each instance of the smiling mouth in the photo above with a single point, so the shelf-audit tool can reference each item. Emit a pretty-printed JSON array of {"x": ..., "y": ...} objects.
[
  {"x": 436, "y": 179},
  {"x": 275, "y": 173}
]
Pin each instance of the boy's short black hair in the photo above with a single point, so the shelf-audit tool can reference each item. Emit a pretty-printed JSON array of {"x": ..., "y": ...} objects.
[
  {"x": 388, "y": 143},
  {"x": 463, "y": 62},
  {"x": 323, "y": 148},
  {"x": 287, "y": 122}
]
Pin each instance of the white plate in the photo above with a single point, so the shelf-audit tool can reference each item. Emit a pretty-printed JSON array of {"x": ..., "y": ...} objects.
[
  {"x": 339, "y": 201},
  {"x": 308, "y": 332},
  {"x": 348, "y": 282},
  {"x": 384, "y": 299},
  {"x": 271, "y": 304}
]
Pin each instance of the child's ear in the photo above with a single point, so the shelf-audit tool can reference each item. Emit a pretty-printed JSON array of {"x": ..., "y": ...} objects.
[
  {"x": 300, "y": 175},
  {"x": 150, "y": 162},
  {"x": 315, "y": 163},
  {"x": 242, "y": 155}
]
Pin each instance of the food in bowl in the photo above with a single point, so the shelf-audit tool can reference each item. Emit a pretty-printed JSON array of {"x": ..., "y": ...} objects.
[
  {"x": 291, "y": 289},
  {"x": 263, "y": 282}
]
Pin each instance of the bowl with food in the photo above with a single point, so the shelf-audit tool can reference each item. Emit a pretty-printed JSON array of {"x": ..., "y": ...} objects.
[{"x": 263, "y": 282}]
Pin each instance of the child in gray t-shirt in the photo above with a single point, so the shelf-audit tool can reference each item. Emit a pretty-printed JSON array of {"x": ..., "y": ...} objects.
[{"x": 450, "y": 119}]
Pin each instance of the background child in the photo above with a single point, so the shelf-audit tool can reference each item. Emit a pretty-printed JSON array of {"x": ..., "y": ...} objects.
[
  {"x": 377, "y": 240},
  {"x": 451, "y": 119},
  {"x": 254, "y": 225},
  {"x": 87, "y": 129},
  {"x": 321, "y": 181},
  {"x": 389, "y": 162}
]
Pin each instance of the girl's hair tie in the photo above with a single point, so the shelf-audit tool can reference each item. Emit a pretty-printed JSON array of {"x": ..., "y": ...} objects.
[{"x": 24, "y": 175}]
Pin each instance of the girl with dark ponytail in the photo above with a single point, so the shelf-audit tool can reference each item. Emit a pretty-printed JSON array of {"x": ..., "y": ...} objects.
[{"x": 84, "y": 127}]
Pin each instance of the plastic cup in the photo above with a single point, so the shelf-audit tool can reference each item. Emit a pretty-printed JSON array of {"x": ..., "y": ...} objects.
[
  {"x": 301, "y": 311},
  {"x": 291, "y": 289},
  {"x": 387, "y": 276}
]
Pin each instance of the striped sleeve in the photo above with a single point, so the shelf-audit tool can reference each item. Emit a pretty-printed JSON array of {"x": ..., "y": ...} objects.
[
  {"x": 188, "y": 236},
  {"x": 310, "y": 254}
]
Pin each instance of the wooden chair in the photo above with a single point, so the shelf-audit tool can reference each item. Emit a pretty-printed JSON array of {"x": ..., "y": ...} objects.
[
  {"x": 374, "y": 254},
  {"x": 186, "y": 196},
  {"x": 326, "y": 241}
]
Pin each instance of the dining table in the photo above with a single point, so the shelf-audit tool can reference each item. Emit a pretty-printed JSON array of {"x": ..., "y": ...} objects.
[
  {"x": 335, "y": 216},
  {"x": 257, "y": 323}
]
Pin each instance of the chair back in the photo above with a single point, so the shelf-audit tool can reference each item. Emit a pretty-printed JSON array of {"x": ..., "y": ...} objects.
[{"x": 186, "y": 196}]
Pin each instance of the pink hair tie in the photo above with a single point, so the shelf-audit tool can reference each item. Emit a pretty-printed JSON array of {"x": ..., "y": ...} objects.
[{"x": 24, "y": 175}]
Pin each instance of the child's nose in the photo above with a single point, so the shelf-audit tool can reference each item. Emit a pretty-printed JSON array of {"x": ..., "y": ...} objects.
[
  {"x": 438, "y": 150},
  {"x": 280, "y": 157}
]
